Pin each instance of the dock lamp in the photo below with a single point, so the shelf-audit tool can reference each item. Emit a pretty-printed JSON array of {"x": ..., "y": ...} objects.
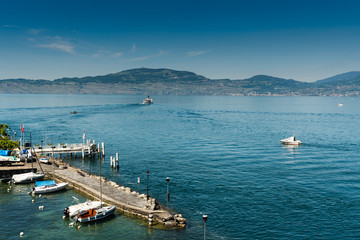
[
  {"x": 168, "y": 192},
  {"x": 205, "y": 219},
  {"x": 147, "y": 184}
]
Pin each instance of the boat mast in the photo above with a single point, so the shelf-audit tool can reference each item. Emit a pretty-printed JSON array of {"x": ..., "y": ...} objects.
[{"x": 100, "y": 182}]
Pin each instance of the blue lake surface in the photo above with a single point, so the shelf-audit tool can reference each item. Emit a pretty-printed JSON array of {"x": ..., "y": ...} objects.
[{"x": 222, "y": 154}]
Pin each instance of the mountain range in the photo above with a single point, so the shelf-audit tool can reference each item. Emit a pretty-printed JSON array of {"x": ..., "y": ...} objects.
[{"x": 148, "y": 81}]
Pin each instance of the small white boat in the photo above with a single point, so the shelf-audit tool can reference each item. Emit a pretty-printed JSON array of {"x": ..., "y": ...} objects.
[
  {"x": 48, "y": 186},
  {"x": 290, "y": 141},
  {"x": 9, "y": 159},
  {"x": 95, "y": 214},
  {"x": 74, "y": 210},
  {"x": 27, "y": 177},
  {"x": 44, "y": 160},
  {"x": 148, "y": 100}
]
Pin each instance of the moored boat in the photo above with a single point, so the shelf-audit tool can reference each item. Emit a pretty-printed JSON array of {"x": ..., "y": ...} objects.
[
  {"x": 44, "y": 160},
  {"x": 290, "y": 141},
  {"x": 48, "y": 186},
  {"x": 95, "y": 214},
  {"x": 27, "y": 177},
  {"x": 74, "y": 210}
]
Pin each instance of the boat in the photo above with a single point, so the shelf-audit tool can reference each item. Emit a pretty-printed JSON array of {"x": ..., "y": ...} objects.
[
  {"x": 290, "y": 141},
  {"x": 44, "y": 160},
  {"x": 95, "y": 214},
  {"x": 148, "y": 100},
  {"x": 27, "y": 177},
  {"x": 5, "y": 160},
  {"x": 74, "y": 210},
  {"x": 48, "y": 186}
]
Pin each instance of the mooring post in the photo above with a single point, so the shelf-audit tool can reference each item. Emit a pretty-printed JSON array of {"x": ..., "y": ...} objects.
[
  {"x": 117, "y": 160},
  {"x": 103, "y": 148}
]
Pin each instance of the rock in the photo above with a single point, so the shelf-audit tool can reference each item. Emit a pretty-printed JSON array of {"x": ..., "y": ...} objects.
[
  {"x": 181, "y": 220},
  {"x": 170, "y": 224}
]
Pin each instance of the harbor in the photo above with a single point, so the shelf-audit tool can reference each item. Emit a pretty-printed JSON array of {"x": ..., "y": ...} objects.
[{"x": 125, "y": 199}]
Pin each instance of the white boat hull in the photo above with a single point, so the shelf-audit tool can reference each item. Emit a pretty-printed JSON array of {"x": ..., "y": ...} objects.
[
  {"x": 74, "y": 210},
  {"x": 290, "y": 141},
  {"x": 27, "y": 177},
  {"x": 100, "y": 214},
  {"x": 50, "y": 188}
]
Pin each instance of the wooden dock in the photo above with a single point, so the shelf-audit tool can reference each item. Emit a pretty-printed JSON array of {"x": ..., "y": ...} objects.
[{"x": 86, "y": 149}]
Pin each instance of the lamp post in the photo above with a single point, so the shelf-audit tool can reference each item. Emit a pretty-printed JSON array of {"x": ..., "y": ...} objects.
[
  {"x": 168, "y": 192},
  {"x": 147, "y": 184},
  {"x": 205, "y": 219}
]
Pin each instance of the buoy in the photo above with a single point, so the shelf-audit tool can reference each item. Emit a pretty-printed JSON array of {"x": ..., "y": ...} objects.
[
  {"x": 8, "y": 190},
  {"x": 19, "y": 190},
  {"x": 28, "y": 193},
  {"x": 39, "y": 195},
  {"x": 79, "y": 226},
  {"x": 33, "y": 201},
  {"x": 63, "y": 217},
  {"x": 21, "y": 234},
  {"x": 71, "y": 224},
  {"x": 41, "y": 207}
]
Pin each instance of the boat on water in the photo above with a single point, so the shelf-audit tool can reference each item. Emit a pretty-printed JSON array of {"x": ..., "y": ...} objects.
[
  {"x": 290, "y": 141},
  {"x": 44, "y": 160},
  {"x": 27, "y": 177},
  {"x": 48, "y": 186},
  {"x": 148, "y": 100},
  {"x": 74, "y": 210},
  {"x": 94, "y": 214}
]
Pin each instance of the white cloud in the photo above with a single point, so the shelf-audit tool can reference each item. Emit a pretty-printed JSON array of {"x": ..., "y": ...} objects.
[
  {"x": 61, "y": 46},
  {"x": 196, "y": 53},
  {"x": 160, "y": 53},
  {"x": 117, "y": 54},
  {"x": 133, "y": 48}
]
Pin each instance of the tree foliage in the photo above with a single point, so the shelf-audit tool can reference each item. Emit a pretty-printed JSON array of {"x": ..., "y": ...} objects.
[{"x": 5, "y": 142}]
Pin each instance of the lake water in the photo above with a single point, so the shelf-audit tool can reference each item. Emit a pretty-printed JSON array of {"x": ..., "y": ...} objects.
[{"x": 223, "y": 157}]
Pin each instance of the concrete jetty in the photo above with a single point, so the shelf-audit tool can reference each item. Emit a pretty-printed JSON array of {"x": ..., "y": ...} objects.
[{"x": 125, "y": 199}]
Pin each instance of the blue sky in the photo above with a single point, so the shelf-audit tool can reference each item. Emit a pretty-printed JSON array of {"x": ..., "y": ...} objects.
[{"x": 302, "y": 40}]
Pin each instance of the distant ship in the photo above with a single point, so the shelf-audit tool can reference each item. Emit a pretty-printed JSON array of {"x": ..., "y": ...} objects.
[{"x": 148, "y": 100}]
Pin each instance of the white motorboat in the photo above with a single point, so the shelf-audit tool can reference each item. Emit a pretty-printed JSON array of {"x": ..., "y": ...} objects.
[
  {"x": 27, "y": 177},
  {"x": 148, "y": 100},
  {"x": 74, "y": 210},
  {"x": 290, "y": 141},
  {"x": 44, "y": 160},
  {"x": 95, "y": 214},
  {"x": 48, "y": 186}
]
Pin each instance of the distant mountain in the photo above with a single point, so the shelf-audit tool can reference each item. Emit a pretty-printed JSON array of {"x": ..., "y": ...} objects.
[
  {"x": 162, "y": 81},
  {"x": 341, "y": 79}
]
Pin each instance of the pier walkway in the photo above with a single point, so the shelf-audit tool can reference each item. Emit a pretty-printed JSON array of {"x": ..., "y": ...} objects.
[{"x": 125, "y": 199}]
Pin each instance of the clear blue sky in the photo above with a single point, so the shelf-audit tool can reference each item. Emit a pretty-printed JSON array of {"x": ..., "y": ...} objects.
[{"x": 302, "y": 40}]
